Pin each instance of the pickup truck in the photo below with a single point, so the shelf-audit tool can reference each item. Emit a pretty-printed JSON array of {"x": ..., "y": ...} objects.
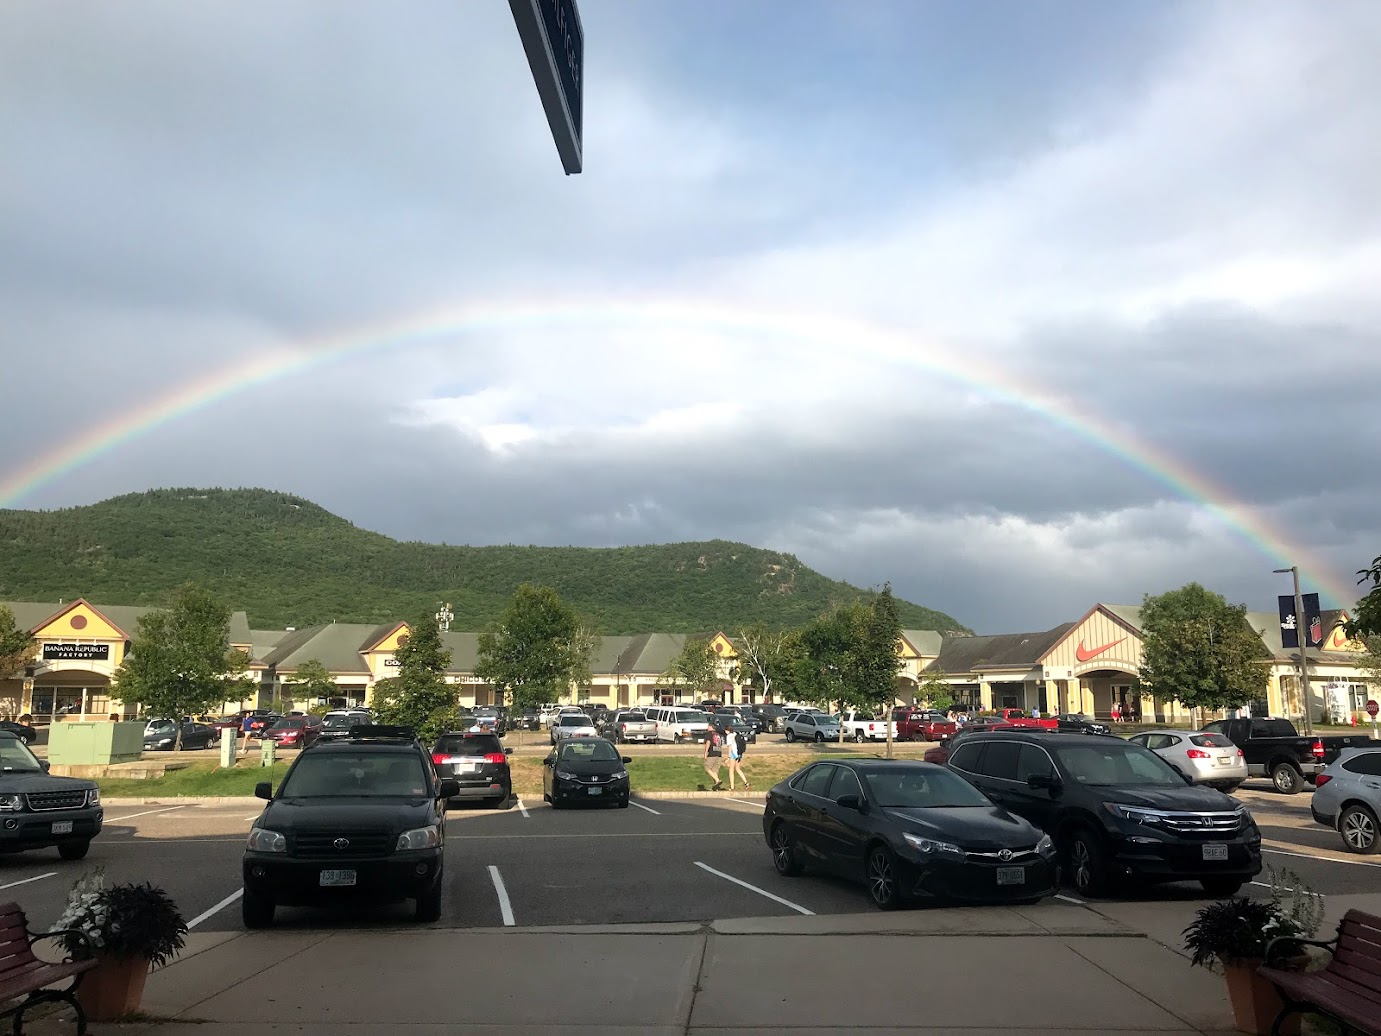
[
  {"x": 1019, "y": 718},
  {"x": 1274, "y": 748},
  {"x": 859, "y": 726},
  {"x": 630, "y": 725},
  {"x": 922, "y": 725}
]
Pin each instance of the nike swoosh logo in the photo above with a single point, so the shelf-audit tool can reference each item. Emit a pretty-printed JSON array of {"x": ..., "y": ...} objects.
[{"x": 1083, "y": 654}]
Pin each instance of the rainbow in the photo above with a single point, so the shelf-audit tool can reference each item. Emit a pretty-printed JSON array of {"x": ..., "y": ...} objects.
[{"x": 814, "y": 329}]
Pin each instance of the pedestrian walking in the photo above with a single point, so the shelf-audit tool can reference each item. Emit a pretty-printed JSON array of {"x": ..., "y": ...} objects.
[
  {"x": 713, "y": 754},
  {"x": 738, "y": 747}
]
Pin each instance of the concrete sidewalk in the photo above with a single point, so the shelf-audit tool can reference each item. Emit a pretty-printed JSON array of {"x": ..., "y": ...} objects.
[{"x": 1053, "y": 968}]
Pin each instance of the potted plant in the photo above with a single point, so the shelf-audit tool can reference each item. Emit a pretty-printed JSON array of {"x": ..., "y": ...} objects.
[
  {"x": 133, "y": 928},
  {"x": 1233, "y": 936}
]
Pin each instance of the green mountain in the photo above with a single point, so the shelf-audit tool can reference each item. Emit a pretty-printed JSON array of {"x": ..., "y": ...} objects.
[{"x": 287, "y": 561}]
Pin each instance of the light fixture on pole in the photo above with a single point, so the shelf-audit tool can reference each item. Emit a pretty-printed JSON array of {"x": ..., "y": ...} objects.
[
  {"x": 444, "y": 617},
  {"x": 1302, "y": 639}
]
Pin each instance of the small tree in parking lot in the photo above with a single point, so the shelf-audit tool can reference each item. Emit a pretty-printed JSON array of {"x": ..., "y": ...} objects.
[
  {"x": 311, "y": 681},
  {"x": 419, "y": 696},
  {"x": 537, "y": 650},
  {"x": 695, "y": 667}
]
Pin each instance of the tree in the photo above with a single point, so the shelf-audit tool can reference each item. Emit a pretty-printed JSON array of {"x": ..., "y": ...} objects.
[
  {"x": 877, "y": 658},
  {"x": 1366, "y": 620},
  {"x": 696, "y": 667},
  {"x": 312, "y": 680},
  {"x": 538, "y": 648},
  {"x": 767, "y": 659},
  {"x": 1199, "y": 650},
  {"x": 419, "y": 696},
  {"x": 934, "y": 691},
  {"x": 180, "y": 662},
  {"x": 16, "y": 646}
]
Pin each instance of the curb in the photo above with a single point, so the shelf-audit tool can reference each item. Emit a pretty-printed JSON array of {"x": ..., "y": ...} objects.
[{"x": 182, "y": 800}]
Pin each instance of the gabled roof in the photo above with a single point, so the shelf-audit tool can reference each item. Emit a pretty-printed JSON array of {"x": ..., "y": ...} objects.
[
  {"x": 963, "y": 654},
  {"x": 1268, "y": 625},
  {"x": 926, "y": 642},
  {"x": 33, "y": 615},
  {"x": 335, "y": 645},
  {"x": 1127, "y": 614},
  {"x": 378, "y": 634}
]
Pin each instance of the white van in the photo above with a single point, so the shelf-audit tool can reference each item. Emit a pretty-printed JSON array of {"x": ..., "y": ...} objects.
[{"x": 676, "y": 725}]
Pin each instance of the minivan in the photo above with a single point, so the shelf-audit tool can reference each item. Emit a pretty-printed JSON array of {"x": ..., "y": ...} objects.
[{"x": 678, "y": 725}]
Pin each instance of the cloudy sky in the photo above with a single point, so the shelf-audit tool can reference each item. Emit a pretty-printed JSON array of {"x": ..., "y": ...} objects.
[{"x": 912, "y": 290}]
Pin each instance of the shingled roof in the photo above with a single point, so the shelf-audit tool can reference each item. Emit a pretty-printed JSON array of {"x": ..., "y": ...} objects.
[{"x": 1001, "y": 651}]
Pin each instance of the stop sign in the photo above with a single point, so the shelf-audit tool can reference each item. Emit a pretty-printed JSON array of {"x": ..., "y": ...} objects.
[{"x": 1372, "y": 707}]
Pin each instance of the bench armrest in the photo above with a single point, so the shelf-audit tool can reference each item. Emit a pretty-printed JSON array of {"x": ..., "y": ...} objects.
[
  {"x": 1282, "y": 942},
  {"x": 86, "y": 950}
]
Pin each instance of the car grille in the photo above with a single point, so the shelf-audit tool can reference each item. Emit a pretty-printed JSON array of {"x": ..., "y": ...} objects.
[
  {"x": 45, "y": 800},
  {"x": 1025, "y": 855},
  {"x": 322, "y": 844},
  {"x": 594, "y": 778},
  {"x": 1207, "y": 824}
]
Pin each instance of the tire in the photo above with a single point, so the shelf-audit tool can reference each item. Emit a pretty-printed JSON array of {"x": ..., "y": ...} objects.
[
  {"x": 784, "y": 857},
  {"x": 790, "y": 735},
  {"x": 623, "y": 803},
  {"x": 256, "y": 910},
  {"x": 1359, "y": 829},
  {"x": 884, "y": 881},
  {"x": 429, "y": 906},
  {"x": 1287, "y": 779},
  {"x": 1088, "y": 863},
  {"x": 819, "y": 738},
  {"x": 74, "y": 850},
  {"x": 858, "y": 737},
  {"x": 1221, "y": 887}
]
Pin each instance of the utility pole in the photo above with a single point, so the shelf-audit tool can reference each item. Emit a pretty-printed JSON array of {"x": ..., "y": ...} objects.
[{"x": 1302, "y": 638}]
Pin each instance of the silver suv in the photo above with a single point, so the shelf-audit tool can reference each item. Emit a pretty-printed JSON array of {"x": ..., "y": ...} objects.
[{"x": 1347, "y": 797}]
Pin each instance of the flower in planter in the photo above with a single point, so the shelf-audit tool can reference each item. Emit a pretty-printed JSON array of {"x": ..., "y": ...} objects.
[
  {"x": 129, "y": 920},
  {"x": 1237, "y": 930}
]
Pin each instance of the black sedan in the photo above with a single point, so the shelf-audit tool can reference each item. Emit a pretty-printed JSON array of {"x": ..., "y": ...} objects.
[
  {"x": 24, "y": 731},
  {"x": 1080, "y": 723},
  {"x": 907, "y": 830},
  {"x": 585, "y": 770},
  {"x": 161, "y": 736},
  {"x": 479, "y": 763}
]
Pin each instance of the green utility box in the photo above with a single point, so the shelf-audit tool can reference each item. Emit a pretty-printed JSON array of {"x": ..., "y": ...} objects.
[{"x": 95, "y": 744}]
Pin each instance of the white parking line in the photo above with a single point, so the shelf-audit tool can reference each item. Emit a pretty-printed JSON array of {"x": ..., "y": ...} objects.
[
  {"x": 255, "y": 817},
  {"x": 1071, "y": 899},
  {"x": 1321, "y": 859},
  {"x": 641, "y": 806},
  {"x": 505, "y": 907},
  {"x": 753, "y": 888},
  {"x": 216, "y": 909},
  {"x": 146, "y": 813},
  {"x": 36, "y": 877},
  {"x": 523, "y": 809},
  {"x": 755, "y": 805}
]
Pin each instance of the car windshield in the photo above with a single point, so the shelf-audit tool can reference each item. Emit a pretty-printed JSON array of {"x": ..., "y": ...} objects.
[
  {"x": 15, "y": 757},
  {"x": 322, "y": 774},
  {"x": 343, "y": 722},
  {"x": 691, "y": 716},
  {"x": 591, "y": 752},
  {"x": 1106, "y": 764},
  {"x": 473, "y": 744},
  {"x": 575, "y": 721},
  {"x": 916, "y": 787},
  {"x": 161, "y": 726},
  {"x": 288, "y": 724}
]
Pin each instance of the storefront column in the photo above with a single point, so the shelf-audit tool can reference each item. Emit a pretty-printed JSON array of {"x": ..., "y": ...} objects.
[
  {"x": 985, "y": 696},
  {"x": 1054, "y": 701}
]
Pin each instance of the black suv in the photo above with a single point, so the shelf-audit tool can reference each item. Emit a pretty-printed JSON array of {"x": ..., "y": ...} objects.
[
  {"x": 479, "y": 764},
  {"x": 38, "y": 810},
  {"x": 362, "y": 818},
  {"x": 1116, "y": 810}
]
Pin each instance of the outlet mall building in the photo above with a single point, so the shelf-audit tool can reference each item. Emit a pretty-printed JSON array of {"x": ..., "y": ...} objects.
[{"x": 1086, "y": 666}]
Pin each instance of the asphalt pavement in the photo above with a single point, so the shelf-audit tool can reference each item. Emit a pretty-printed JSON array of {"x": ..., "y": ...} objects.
[{"x": 659, "y": 861}]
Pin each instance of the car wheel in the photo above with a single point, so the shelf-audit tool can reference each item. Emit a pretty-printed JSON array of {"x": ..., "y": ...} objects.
[
  {"x": 1287, "y": 779},
  {"x": 790, "y": 734},
  {"x": 784, "y": 856},
  {"x": 256, "y": 910},
  {"x": 884, "y": 882},
  {"x": 1359, "y": 830},
  {"x": 819, "y": 738},
  {"x": 858, "y": 737},
  {"x": 1088, "y": 863},
  {"x": 74, "y": 850},
  {"x": 1223, "y": 887},
  {"x": 429, "y": 906}
]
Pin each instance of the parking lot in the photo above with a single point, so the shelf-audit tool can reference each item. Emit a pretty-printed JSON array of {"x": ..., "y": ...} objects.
[{"x": 661, "y": 860}]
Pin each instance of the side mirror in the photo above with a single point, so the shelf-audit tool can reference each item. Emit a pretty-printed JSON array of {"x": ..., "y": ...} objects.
[
  {"x": 852, "y": 802},
  {"x": 449, "y": 789},
  {"x": 508, "y": 751},
  {"x": 627, "y": 759},
  {"x": 45, "y": 765},
  {"x": 549, "y": 760},
  {"x": 263, "y": 790},
  {"x": 1044, "y": 780},
  {"x": 1187, "y": 779}
]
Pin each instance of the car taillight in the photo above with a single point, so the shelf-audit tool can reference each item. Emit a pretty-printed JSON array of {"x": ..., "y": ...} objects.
[
  {"x": 1197, "y": 753},
  {"x": 1240, "y": 753},
  {"x": 439, "y": 758},
  {"x": 495, "y": 757},
  {"x": 1322, "y": 779},
  {"x": 1318, "y": 749}
]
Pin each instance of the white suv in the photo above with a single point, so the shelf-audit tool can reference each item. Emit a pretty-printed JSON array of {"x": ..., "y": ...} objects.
[{"x": 1347, "y": 797}]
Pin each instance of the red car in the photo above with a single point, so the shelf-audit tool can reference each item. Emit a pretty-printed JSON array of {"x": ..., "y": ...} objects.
[
  {"x": 296, "y": 731},
  {"x": 1018, "y": 718},
  {"x": 922, "y": 725}
]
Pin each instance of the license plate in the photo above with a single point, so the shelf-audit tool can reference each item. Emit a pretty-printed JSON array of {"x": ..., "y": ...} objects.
[
  {"x": 1223, "y": 760},
  {"x": 1215, "y": 852},
  {"x": 1011, "y": 875},
  {"x": 337, "y": 879},
  {"x": 595, "y": 791},
  {"x": 467, "y": 767},
  {"x": 62, "y": 827}
]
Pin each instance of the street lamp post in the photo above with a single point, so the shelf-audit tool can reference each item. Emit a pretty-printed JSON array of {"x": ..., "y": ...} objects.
[{"x": 1302, "y": 640}]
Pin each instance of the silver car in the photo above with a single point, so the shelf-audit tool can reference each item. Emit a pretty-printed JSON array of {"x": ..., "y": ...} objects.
[
  {"x": 812, "y": 726},
  {"x": 1347, "y": 797},
  {"x": 1202, "y": 756},
  {"x": 572, "y": 724}
]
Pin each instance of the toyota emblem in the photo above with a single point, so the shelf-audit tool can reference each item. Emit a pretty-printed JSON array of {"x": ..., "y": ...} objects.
[
  {"x": 341, "y": 843},
  {"x": 1005, "y": 855}
]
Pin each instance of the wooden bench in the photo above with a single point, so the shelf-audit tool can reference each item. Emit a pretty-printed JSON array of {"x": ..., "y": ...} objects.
[
  {"x": 1348, "y": 990},
  {"x": 23, "y": 975}
]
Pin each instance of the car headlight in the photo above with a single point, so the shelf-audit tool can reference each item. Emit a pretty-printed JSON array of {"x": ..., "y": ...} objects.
[
  {"x": 565, "y": 775},
  {"x": 11, "y": 803},
  {"x": 620, "y": 775},
  {"x": 1136, "y": 814},
  {"x": 930, "y": 845},
  {"x": 93, "y": 797},
  {"x": 419, "y": 838},
  {"x": 1046, "y": 846},
  {"x": 262, "y": 840},
  {"x": 165, "y": 741}
]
